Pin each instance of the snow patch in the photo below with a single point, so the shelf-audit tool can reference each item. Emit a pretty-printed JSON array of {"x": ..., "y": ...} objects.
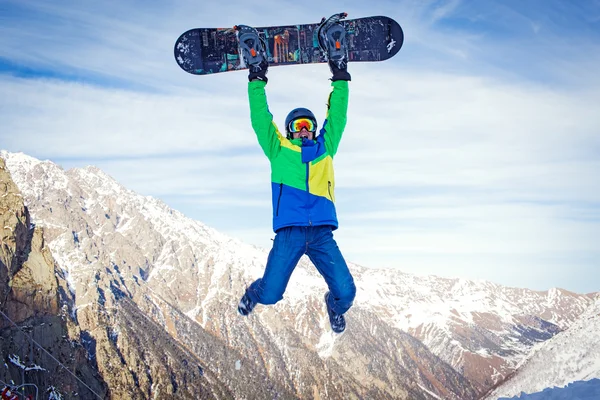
[
  {"x": 14, "y": 359},
  {"x": 326, "y": 344},
  {"x": 429, "y": 392}
]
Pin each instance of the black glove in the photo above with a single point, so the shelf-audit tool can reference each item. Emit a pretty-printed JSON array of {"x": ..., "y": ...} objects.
[
  {"x": 258, "y": 72},
  {"x": 339, "y": 71}
]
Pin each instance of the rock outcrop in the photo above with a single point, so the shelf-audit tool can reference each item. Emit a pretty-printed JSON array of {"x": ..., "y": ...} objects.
[{"x": 40, "y": 340}]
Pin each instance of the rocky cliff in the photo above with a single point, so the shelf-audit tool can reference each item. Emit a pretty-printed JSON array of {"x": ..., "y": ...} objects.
[{"x": 37, "y": 324}]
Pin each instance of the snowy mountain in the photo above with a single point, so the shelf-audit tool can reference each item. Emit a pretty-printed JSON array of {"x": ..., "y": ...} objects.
[
  {"x": 140, "y": 270},
  {"x": 570, "y": 356}
]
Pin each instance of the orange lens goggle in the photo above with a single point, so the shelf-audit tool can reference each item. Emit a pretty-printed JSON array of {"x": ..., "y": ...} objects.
[{"x": 298, "y": 124}]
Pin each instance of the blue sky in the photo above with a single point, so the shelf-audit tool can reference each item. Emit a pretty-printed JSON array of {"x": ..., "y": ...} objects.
[{"x": 474, "y": 153}]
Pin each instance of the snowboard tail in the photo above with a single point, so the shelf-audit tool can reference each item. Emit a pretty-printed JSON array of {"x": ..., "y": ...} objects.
[{"x": 203, "y": 51}]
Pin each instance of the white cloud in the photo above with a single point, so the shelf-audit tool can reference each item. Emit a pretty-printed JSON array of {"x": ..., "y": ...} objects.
[
  {"x": 444, "y": 9},
  {"x": 72, "y": 119}
]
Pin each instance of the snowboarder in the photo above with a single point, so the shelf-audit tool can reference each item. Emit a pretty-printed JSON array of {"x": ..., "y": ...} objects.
[{"x": 302, "y": 178}]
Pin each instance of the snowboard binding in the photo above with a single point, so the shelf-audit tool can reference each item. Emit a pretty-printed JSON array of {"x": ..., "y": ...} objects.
[
  {"x": 331, "y": 35},
  {"x": 254, "y": 53}
]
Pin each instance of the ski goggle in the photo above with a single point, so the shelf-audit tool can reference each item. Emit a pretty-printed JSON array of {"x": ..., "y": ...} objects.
[{"x": 298, "y": 124}]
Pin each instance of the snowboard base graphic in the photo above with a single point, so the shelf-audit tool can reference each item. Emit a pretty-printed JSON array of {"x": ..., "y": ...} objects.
[{"x": 203, "y": 51}]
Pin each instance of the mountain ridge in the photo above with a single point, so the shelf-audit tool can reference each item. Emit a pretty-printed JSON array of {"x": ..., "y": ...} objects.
[{"x": 476, "y": 332}]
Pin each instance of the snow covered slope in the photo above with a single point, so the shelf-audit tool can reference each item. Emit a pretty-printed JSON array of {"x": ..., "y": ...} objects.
[{"x": 570, "y": 356}]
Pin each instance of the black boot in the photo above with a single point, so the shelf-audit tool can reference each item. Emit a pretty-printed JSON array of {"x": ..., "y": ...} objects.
[
  {"x": 337, "y": 321},
  {"x": 246, "y": 305}
]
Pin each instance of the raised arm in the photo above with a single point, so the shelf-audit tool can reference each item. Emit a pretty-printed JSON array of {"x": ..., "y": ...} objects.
[
  {"x": 266, "y": 131},
  {"x": 337, "y": 109},
  {"x": 333, "y": 41}
]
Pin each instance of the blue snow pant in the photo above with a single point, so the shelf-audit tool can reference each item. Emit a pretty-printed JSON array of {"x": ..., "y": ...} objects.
[{"x": 289, "y": 245}]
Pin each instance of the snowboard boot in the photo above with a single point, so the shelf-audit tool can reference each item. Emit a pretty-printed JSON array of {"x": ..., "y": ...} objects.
[
  {"x": 246, "y": 305},
  {"x": 337, "y": 321},
  {"x": 333, "y": 42},
  {"x": 254, "y": 52}
]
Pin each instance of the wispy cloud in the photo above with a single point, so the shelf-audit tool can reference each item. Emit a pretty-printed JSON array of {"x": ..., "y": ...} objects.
[
  {"x": 474, "y": 152},
  {"x": 443, "y": 9}
]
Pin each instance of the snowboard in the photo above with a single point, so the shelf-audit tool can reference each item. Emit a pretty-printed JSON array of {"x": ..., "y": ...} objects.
[{"x": 203, "y": 51}]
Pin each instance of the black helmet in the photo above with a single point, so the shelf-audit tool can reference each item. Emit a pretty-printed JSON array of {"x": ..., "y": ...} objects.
[{"x": 295, "y": 114}]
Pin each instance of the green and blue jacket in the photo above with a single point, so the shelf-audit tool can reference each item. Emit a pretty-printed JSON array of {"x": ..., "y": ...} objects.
[{"x": 302, "y": 179}]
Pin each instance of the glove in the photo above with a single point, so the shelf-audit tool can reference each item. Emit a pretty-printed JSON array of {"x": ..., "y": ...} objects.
[
  {"x": 339, "y": 74},
  {"x": 259, "y": 72}
]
